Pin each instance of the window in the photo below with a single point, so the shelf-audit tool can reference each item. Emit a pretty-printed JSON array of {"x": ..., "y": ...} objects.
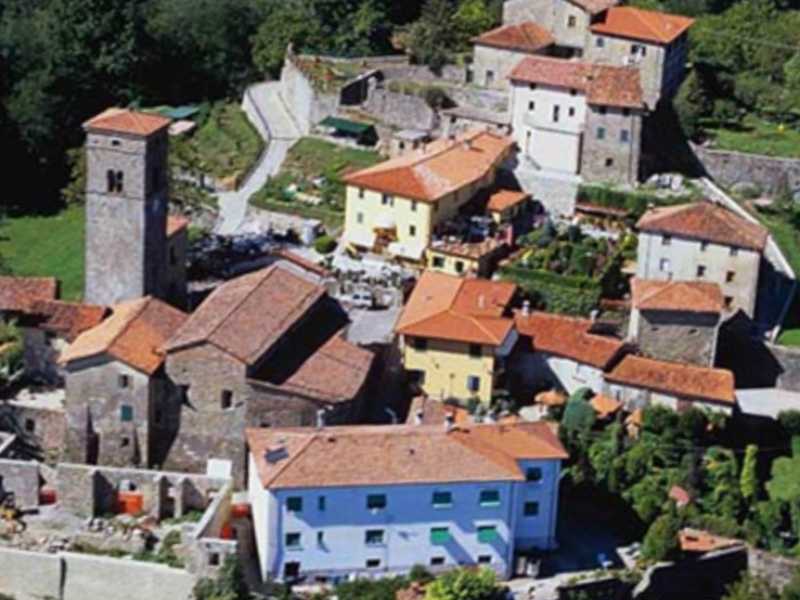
[
  {"x": 116, "y": 143},
  {"x": 321, "y": 503},
  {"x": 419, "y": 343},
  {"x": 373, "y": 537},
  {"x": 226, "y": 399},
  {"x": 123, "y": 381},
  {"x": 624, "y": 136},
  {"x": 459, "y": 266},
  {"x": 376, "y": 501},
  {"x": 728, "y": 302},
  {"x": 571, "y": 21},
  {"x": 703, "y": 246},
  {"x": 438, "y": 262},
  {"x": 487, "y": 534},
  {"x": 556, "y": 112},
  {"x": 701, "y": 270},
  {"x": 602, "y": 110},
  {"x": 292, "y": 541},
  {"x": 470, "y": 76},
  {"x": 473, "y": 383},
  {"x": 126, "y": 413},
  {"x": 531, "y": 86},
  {"x": 361, "y": 193},
  {"x": 30, "y": 425},
  {"x": 413, "y": 206},
  {"x": 373, "y": 563},
  {"x": 294, "y": 504},
  {"x": 531, "y": 106},
  {"x": 125, "y": 442},
  {"x": 599, "y": 42},
  {"x": 638, "y": 49},
  {"x": 213, "y": 559},
  {"x": 730, "y": 276},
  {"x": 626, "y": 112},
  {"x": 663, "y": 265},
  {"x": 360, "y": 218},
  {"x": 440, "y": 535},
  {"x": 320, "y": 538},
  {"x": 437, "y": 561},
  {"x": 601, "y": 133},
  {"x": 609, "y": 162},
  {"x": 475, "y": 350},
  {"x": 442, "y": 500},
  {"x": 666, "y": 240},
  {"x": 533, "y": 474},
  {"x": 530, "y": 509},
  {"x": 387, "y": 200},
  {"x": 489, "y": 498},
  {"x": 291, "y": 570},
  {"x": 412, "y": 230},
  {"x": 734, "y": 251},
  {"x": 571, "y": 111},
  {"x": 119, "y": 178},
  {"x": 489, "y": 77},
  {"x": 484, "y": 559},
  {"x": 402, "y": 145}
]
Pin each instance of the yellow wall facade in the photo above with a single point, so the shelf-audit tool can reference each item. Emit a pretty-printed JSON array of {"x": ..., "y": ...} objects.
[
  {"x": 447, "y": 365},
  {"x": 449, "y": 264}
]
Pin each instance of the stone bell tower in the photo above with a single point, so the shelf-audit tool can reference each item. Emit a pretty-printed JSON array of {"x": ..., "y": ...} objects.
[{"x": 126, "y": 206}]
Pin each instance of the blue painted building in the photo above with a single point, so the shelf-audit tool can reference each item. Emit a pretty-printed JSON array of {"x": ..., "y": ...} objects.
[{"x": 376, "y": 500}]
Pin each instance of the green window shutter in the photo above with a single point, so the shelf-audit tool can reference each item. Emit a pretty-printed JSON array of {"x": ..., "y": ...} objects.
[
  {"x": 533, "y": 474},
  {"x": 487, "y": 534},
  {"x": 442, "y": 499},
  {"x": 294, "y": 504},
  {"x": 440, "y": 535},
  {"x": 490, "y": 498},
  {"x": 126, "y": 413},
  {"x": 376, "y": 501}
]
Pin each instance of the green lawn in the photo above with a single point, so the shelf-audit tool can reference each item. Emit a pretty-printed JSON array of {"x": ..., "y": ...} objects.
[
  {"x": 756, "y": 136},
  {"x": 790, "y": 337},
  {"x": 312, "y": 157},
  {"x": 224, "y": 144},
  {"x": 47, "y": 246}
]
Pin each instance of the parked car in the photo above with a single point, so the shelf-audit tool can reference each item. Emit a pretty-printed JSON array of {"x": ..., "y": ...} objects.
[{"x": 360, "y": 299}]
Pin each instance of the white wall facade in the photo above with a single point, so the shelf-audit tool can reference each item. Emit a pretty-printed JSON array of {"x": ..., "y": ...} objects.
[
  {"x": 540, "y": 369},
  {"x": 333, "y": 536},
  {"x": 736, "y": 270},
  {"x": 635, "y": 397}
]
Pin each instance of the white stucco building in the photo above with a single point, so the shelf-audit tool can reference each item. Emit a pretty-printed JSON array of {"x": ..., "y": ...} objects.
[
  {"x": 333, "y": 502},
  {"x": 703, "y": 242}
]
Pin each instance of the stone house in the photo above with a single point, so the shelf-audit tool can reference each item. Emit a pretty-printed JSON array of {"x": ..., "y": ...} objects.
[
  {"x": 703, "y": 242},
  {"x": 397, "y": 205},
  {"x": 655, "y": 43},
  {"x": 456, "y": 334},
  {"x": 333, "y": 503},
  {"x": 578, "y": 118},
  {"x": 567, "y": 21},
  {"x": 264, "y": 349},
  {"x": 121, "y": 409},
  {"x": 177, "y": 260},
  {"x": 676, "y": 321},
  {"x": 497, "y": 51},
  {"x": 561, "y": 352},
  {"x": 637, "y": 381}
]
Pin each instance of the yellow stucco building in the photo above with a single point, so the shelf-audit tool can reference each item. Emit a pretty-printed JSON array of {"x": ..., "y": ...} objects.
[
  {"x": 395, "y": 206},
  {"x": 455, "y": 335}
]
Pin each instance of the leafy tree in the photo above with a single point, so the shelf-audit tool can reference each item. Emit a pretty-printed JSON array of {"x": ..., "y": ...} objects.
[
  {"x": 432, "y": 37},
  {"x": 579, "y": 416},
  {"x": 791, "y": 590},
  {"x": 748, "y": 480},
  {"x": 790, "y": 421},
  {"x": 464, "y": 584},
  {"x": 750, "y": 588},
  {"x": 472, "y": 18},
  {"x": 784, "y": 485},
  {"x": 661, "y": 540},
  {"x": 691, "y": 104},
  {"x": 229, "y": 585},
  {"x": 75, "y": 191},
  {"x": 367, "y": 589}
]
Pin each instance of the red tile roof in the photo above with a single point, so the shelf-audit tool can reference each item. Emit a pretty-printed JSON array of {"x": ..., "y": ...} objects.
[
  {"x": 367, "y": 455},
  {"x": 18, "y": 294},
  {"x": 246, "y": 316},
  {"x": 302, "y": 262},
  {"x": 605, "y": 406},
  {"x": 568, "y": 337},
  {"x": 705, "y": 221},
  {"x": 594, "y": 6},
  {"x": 679, "y": 495},
  {"x": 176, "y": 224},
  {"x": 120, "y": 120},
  {"x": 690, "y": 296},
  {"x": 505, "y": 199},
  {"x": 683, "y": 381},
  {"x": 68, "y": 319},
  {"x": 645, "y": 25},
  {"x": 453, "y": 308},
  {"x": 603, "y": 84},
  {"x": 443, "y": 167},
  {"x": 134, "y": 334},
  {"x": 522, "y": 37},
  {"x": 698, "y": 540}
]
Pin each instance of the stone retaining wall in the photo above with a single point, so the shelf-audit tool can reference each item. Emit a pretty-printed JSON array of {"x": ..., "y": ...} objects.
[
  {"x": 400, "y": 110},
  {"x": 778, "y": 570},
  {"x": 22, "y": 478},
  {"x": 729, "y": 168}
]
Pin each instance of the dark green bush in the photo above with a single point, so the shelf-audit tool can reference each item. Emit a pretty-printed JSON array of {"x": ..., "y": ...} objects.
[{"x": 325, "y": 244}]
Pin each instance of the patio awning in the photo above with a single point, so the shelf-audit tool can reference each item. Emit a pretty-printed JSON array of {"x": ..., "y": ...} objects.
[{"x": 346, "y": 125}]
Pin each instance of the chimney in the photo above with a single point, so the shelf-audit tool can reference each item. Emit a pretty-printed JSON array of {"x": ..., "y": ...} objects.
[
  {"x": 320, "y": 418},
  {"x": 418, "y": 416},
  {"x": 449, "y": 422},
  {"x": 526, "y": 308},
  {"x": 593, "y": 315}
]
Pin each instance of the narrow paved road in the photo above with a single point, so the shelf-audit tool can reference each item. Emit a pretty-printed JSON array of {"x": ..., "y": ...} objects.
[{"x": 267, "y": 111}]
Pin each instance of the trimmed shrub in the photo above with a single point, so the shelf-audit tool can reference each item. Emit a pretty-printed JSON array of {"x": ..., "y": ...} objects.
[{"x": 325, "y": 244}]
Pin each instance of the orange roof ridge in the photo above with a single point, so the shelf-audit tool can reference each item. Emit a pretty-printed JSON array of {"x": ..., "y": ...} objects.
[
  {"x": 123, "y": 120},
  {"x": 637, "y": 23},
  {"x": 693, "y": 296}
]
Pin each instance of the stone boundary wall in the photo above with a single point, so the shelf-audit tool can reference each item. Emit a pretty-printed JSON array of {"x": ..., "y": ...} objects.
[
  {"x": 776, "y": 569},
  {"x": 401, "y": 110},
  {"x": 22, "y": 478},
  {"x": 308, "y": 107},
  {"x": 729, "y": 168},
  {"x": 68, "y": 576}
]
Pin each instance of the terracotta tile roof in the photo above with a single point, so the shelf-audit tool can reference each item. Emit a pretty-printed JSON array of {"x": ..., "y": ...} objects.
[
  {"x": 568, "y": 337},
  {"x": 679, "y": 495},
  {"x": 705, "y": 221},
  {"x": 134, "y": 334},
  {"x": 522, "y": 37},
  {"x": 595, "y": 6},
  {"x": 471, "y": 250},
  {"x": 505, "y": 199},
  {"x": 603, "y": 84},
  {"x": 68, "y": 319},
  {"x": 551, "y": 398},
  {"x": 302, "y": 262},
  {"x": 452, "y": 308},
  {"x": 698, "y": 540},
  {"x": 246, "y": 316},
  {"x": 121, "y": 120},
  {"x": 367, "y": 455},
  {"x": 335, "y": 372},
  {"x": 639, "y": 24},
  {"x": 636, "y": 418},
  {"x": 684, "y": 381},
  {"x": 605, "y": 406},
  {"x": 689, "y": 296},
  {"x": 441, "y": 168},
  {"x": 18, "y": 294},
  {"x": 176, "y": 224}
]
